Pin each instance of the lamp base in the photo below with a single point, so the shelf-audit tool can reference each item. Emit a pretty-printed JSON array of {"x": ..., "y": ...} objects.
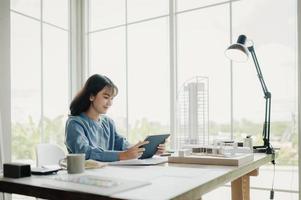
[{"x": 263, "y": 149}]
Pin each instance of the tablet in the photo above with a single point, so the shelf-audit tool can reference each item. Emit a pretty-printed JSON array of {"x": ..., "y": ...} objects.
[{"x": 151, "y": 147}]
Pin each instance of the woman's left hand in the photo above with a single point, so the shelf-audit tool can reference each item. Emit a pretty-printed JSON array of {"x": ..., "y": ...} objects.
[{"x": 161, "y": 149}]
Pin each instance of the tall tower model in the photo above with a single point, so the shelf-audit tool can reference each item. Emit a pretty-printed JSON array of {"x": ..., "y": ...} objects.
[{"x": 193, "y": 112}]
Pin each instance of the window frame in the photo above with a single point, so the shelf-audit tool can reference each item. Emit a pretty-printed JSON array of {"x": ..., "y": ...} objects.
[{"x": 41, "y": 24}]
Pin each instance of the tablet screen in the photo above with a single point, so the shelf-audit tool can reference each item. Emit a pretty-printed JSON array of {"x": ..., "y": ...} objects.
[{"x": 151, "y": 147}]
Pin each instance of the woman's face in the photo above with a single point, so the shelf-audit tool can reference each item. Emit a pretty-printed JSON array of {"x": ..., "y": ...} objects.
[{"x": 103, "y": 100}]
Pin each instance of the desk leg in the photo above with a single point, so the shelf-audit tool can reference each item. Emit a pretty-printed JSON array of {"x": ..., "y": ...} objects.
[{"x": 240, "y": 188}]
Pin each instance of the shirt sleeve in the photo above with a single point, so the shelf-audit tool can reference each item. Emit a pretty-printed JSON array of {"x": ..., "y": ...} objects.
[
  {"x": 121, "y": 143},
  {"x": 77, "y": 142}
]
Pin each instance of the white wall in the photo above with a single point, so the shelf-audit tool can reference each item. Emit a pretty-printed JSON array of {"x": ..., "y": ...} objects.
[{"x": 5, "y": 97}]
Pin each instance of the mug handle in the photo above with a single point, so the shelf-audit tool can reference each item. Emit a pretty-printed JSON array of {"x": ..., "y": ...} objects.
[{"x": 63, "y": 163}]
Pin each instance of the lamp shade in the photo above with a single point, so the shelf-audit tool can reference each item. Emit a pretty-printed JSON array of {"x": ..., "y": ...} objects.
[{"x": 238, "y": 52}]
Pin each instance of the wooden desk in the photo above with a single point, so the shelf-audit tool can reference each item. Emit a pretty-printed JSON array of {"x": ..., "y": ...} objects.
[{"x": 168, "y": 181}]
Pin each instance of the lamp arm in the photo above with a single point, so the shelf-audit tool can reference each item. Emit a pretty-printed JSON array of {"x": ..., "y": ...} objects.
[
  {"x": 267, "y": 121},
  {"x": 259, "y": 73},
  {"x": 267, "y": 95}
]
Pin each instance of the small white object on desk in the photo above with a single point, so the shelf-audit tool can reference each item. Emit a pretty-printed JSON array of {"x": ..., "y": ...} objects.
[
  {"x": 184, "y": 152},
  {"x": 248, "y": 142},
  {"x": 243, "y": 150}
]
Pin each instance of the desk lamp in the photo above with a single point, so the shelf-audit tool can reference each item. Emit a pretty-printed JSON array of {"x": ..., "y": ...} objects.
[{"x": 240, "y": 52}]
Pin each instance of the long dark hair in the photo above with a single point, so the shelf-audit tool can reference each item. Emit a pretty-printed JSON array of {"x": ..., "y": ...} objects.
[{"x": 93, "y": 85}]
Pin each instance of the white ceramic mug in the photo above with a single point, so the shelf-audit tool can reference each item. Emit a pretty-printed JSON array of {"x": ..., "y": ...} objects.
[{"x": 75, "y": 163}]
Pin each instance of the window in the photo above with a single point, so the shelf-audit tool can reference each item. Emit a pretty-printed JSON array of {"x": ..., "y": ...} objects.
[
  {"x": 184, "y": 5},
  {"x": 275, "y": 40},
  {"x": 39, "y": 74},
  {"x": 129, "y": 43},
  {"x": 201, "y": 44}
]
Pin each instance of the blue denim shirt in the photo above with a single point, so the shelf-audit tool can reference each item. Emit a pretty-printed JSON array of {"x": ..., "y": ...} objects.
[{"x": 97, "y": 139}]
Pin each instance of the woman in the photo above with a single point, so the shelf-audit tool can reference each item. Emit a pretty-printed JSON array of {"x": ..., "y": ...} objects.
[{"x": 89, "y": 131}]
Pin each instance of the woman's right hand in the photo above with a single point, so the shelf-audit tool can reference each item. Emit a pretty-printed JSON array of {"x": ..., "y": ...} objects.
[{"x": 133, "y": 152}]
